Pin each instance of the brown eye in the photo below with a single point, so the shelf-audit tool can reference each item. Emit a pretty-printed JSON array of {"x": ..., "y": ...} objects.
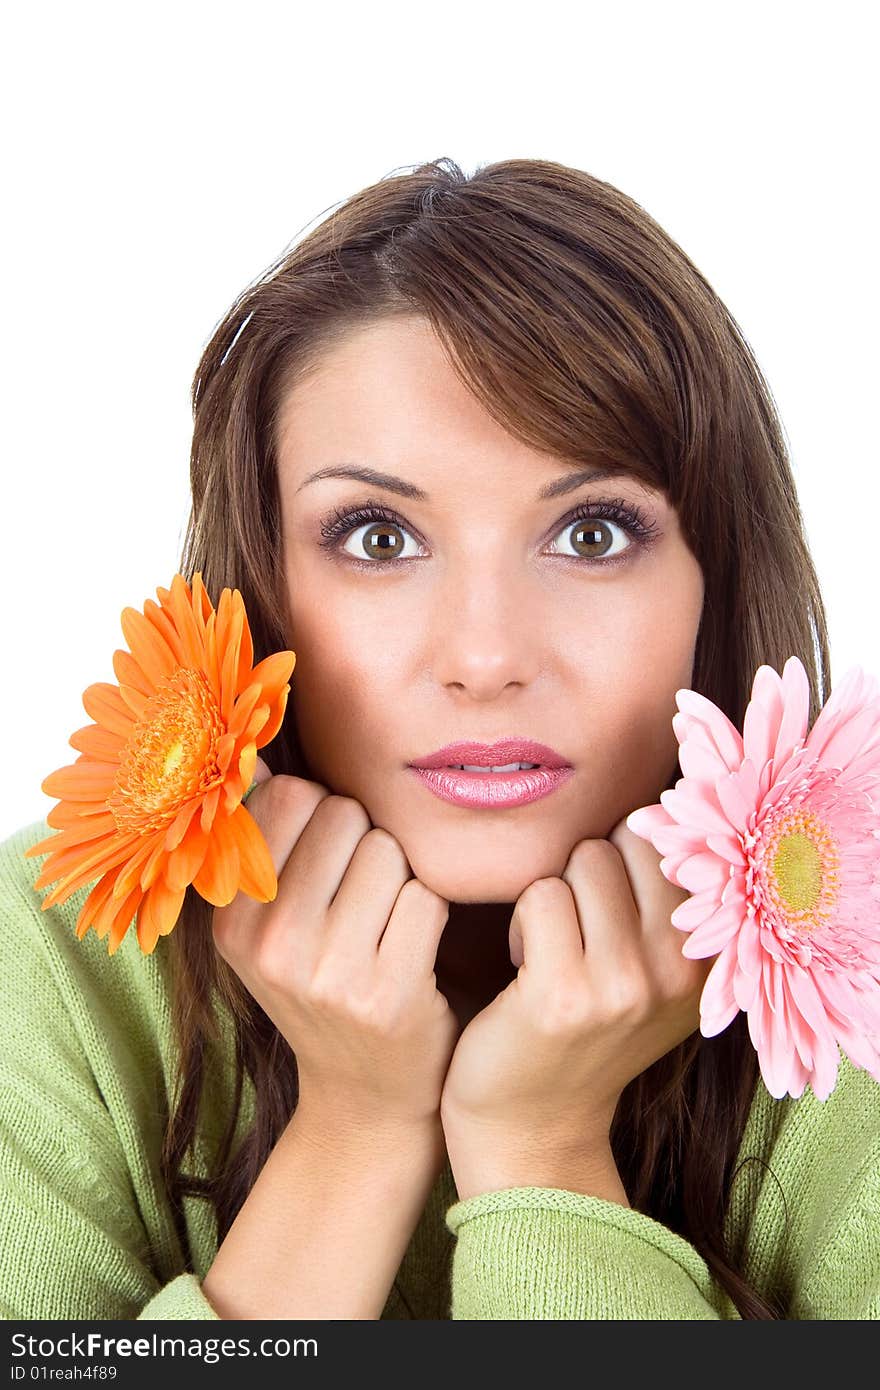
[
  {"x": 592, "y": 538},
  {"x": 380, "y": 540}
]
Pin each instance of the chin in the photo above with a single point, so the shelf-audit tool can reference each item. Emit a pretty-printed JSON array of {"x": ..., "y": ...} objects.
[{"x": 475, "y": 884}]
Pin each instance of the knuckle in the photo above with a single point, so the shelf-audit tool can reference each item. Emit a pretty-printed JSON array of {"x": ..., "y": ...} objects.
[
  {"x": 565, "y": 1012},
  {"x": 422, "y": 901},
  {"x": 294, "y": 797},
  {"x": 542, "y": 892},
  {"x": 628, "y": 997},
  {"x": 271, "y": 962},
  {"x": 347, "y": 812},
  {"x": 383, "y": 842},
  {"x": 591, "y": 852}
]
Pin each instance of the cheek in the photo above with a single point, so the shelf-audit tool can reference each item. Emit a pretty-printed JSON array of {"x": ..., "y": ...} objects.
[{"x": 339, "y": 693}]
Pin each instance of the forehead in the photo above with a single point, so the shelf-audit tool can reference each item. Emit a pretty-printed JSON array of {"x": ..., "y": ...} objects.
[
  {"x": 385, "y": 396},
  {"x": 379, "y": 382}
]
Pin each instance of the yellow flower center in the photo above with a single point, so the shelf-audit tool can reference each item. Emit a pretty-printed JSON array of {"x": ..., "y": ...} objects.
[
  {"x": 170, "y": 755},
  {"x": 798, "y": 870},
  {"x": 803, "y": 863}
]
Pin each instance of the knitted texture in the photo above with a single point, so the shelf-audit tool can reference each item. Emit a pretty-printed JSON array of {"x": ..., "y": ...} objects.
[{"x": 88, "y": 1075}]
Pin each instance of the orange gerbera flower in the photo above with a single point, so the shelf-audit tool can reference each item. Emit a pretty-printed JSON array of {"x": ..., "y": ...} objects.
[{"x": 154, "y": 801}]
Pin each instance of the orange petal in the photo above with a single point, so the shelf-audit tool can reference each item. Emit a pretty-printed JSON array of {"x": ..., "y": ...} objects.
[
  {"x": 118, "y": 923},
  {"x": 179, "y": 826},
  {"x": 256, "y": 869},
  {"x": 75, "y": 813},
  {"x": 130, "y": 875},
  {"x": 79, "y": 834},
  {"x": 218, "y": 879},
  {"x": 275, "y": 720},
  {"x": 184, "y": 864},
  {"x": 190, "y": 634},
  {"x": 136, "y": 702},
  {"x": 201, "y": 603},
  {"x": 211, "y": 665},
  {"x": 105, "y": 705},
  {"x": 230, "y": 646},
  {"x": 85, "y": 780},
  {"x": 98, "y": 743},
  {"x": 164, "y": 625},
  {"x": 93, "y": 904},
  {"x": 209, "y": 807},
  {"x": 273, "y": 672},
  {"x": 90, "y": 868},
  {"x": 149, "y": 649},
  {"x": 158, "y": 914},
  {"x": 130, "y": 673},
  {"x": 244, "y": 708}
]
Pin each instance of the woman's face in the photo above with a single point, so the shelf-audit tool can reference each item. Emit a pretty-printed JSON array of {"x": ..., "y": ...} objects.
[{"x": 474, "y": 609}]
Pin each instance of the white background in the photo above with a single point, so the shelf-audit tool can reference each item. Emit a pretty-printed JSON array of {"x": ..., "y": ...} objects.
[{"x": 158, "y": 159}]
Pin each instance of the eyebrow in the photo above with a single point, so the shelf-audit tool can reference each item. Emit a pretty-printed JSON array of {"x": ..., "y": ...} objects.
[{"x": 390, "y": 483}]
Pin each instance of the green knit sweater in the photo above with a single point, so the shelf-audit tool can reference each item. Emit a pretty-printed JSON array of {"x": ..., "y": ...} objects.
[{"x": 87, "y": 1074}]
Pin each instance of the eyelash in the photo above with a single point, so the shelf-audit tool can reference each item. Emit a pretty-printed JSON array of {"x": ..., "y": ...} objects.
[{"x": 338, "y": 525}]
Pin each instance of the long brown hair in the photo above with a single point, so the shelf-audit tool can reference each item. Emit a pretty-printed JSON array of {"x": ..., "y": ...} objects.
[{"x": 587, "y": 333}]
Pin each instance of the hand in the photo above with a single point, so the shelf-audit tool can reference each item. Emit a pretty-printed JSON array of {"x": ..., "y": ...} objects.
[
  {"x": 342, "y": 960},
  {"x": 602, "y": 992}
]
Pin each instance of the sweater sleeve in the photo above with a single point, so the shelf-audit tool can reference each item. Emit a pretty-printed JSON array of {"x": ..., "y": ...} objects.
[
  {"x": 807, "y": 1230},
  {"x": 73, "y": 1245},
  {"x": 546, "y": 1253}
]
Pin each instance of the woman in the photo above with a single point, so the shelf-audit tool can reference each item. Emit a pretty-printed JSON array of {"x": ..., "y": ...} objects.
[{"x": 491, "y": 457}]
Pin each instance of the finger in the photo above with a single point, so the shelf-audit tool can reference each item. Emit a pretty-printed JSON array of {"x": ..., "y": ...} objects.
[
  {"x": 655, "y": 897},
  {"x": 656, "y": 900},
  {"x": 319, "y": 859},
  {"x": 359, "y": 913},
  {"x": 545, "y": 917},
  {"x": 606, "y": 908},
  {"x": 412, "y": 937}
]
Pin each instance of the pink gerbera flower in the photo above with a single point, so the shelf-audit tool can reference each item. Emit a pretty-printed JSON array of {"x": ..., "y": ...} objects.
[{"x": 776, "y": 835}]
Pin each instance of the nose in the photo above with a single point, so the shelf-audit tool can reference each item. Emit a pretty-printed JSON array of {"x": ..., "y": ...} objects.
[{"x": 486, "y": 631}]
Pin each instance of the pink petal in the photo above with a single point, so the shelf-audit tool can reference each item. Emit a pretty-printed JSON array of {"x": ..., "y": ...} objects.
[
  {"x": 777, "y": 1059},
  {"x": 748, "y": 949},
  {"x": 713, "y": 935},
  {"x": 717, "y": 999},
  {"x": 688, "y": 805},
  {"x": 727, "y": 847},
  {"x": 800, "y": 1075},
  {"x": 725, "y": 735},
  {"x": 701, "y": 871},
  {"x": 853, "y": 692},
  {"x": 836, "y": 990},
  {"x": 679, "y": 839},
  {"x": 850, "y": 738},
  {"x": 825, "y": 1066},
  {"x": 695, "y": 910},
  {"x": 796, "y": 711},
  {"x": 731, "y": 792},
  {"x": 860, "y": 1050},
  {"x": 713, "y": 1024},
  {"x": 699, "y": 761},
  {"x": 746, "y": 989},
  {"x": 807, "y": 998},
  {"x": 763, "y": 716},
  {"x": 647, "y": 819}
]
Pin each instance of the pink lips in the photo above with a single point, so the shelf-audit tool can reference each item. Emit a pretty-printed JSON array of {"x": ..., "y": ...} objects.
[{"x": 493, "y": 789}]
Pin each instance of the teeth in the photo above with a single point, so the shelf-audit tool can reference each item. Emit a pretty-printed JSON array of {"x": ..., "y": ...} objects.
[{"x": 506, "y": 767}]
